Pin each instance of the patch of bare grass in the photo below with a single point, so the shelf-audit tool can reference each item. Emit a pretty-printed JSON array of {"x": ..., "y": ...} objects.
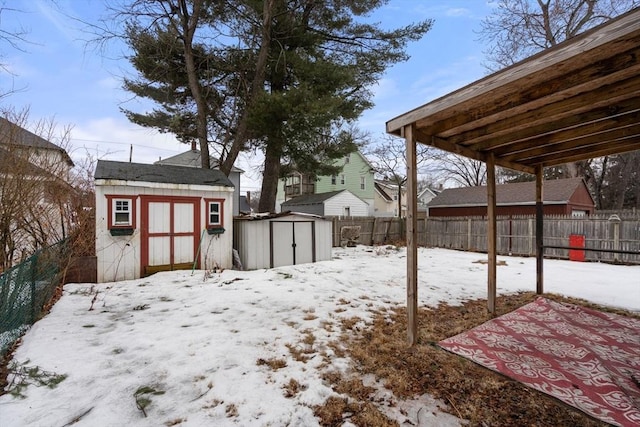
[
  {"x": 474, "y": 393},
  {"x": 273, "y": 363}
]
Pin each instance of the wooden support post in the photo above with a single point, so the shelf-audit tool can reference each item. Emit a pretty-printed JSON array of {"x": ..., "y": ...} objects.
[
  {"x": 491, "y": 234},
  {"x": 412, "y": 227},
  {"x": 539, "y": 232}
]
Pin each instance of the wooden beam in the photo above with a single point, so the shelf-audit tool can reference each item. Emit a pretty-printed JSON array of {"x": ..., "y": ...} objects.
[
  {"x": 539, "y": 231},
  {"x": 551, "y": 100},
  {"x": 412, "y": 241},
  {"x": 491, "y": 234}
]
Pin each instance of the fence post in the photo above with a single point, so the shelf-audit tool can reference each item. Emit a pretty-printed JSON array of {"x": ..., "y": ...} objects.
[
  {"x": 615, "y": 220},
  {"x": 468, "y": 248},
  {"x": 33, "y": 288}
]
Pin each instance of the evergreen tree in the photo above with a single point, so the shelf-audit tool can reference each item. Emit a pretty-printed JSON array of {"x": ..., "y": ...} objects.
[{"x": 286, "y": 77}]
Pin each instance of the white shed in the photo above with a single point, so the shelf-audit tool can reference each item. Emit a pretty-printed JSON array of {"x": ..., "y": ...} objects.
[
  {"x": 335, "y": 203},
  {"x": 274, "y": 240},
  {"x": 153, "y": 218}
]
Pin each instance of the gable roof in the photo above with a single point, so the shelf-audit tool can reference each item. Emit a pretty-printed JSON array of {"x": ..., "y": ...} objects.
[
  {"x": 168, "y": 174},
  {"x": 380, "y": 190},
  {"x": 191, "y": 159},
  {"x": 12, "y": 134},
  {"x": 311, "y": 199},
  {"x": 556, "y": 191}
]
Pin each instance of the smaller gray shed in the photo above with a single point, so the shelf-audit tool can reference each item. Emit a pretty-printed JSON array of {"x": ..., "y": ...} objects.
[{"x": 275, "y": 240}]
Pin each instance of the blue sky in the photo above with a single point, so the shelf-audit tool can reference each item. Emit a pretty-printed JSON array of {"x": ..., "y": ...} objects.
[{"x": 57, "y": 77}]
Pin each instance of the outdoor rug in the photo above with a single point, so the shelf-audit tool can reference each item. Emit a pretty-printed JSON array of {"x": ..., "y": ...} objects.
[{"x": 584, "y": 357}]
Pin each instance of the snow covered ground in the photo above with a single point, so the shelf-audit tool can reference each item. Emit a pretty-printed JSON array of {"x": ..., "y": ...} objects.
[{"x": 203, "y": 342}]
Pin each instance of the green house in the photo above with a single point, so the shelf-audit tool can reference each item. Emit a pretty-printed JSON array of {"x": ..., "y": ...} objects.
[{"x": 356, "y": 176}]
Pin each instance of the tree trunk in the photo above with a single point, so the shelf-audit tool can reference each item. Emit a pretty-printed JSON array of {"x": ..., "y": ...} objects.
[
  {"x": 270, "y": 178},
  {"x": 189, "y": 23},
  {"x": 257, "y": 85}
]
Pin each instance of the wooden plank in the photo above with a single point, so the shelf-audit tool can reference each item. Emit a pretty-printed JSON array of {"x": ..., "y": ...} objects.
[
  {"x": 412, "y": 227},
  {"x": 491, "y": 234}
]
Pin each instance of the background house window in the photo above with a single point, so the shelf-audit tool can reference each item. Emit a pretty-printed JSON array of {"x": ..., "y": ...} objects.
[
  {"x": 215, "y": 213},
  {"x": 347, "y": 211},
  {"x": 347, "y": 159},
  {"x": 333, "y": 180},
  {"x": 362, "y": 182},
  {"x": 342, "y": 179}
]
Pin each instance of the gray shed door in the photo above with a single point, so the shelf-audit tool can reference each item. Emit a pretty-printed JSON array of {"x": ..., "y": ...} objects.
[{"x": 292, "y": 242}]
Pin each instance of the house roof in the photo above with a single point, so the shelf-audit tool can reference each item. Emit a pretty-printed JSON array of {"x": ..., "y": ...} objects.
[
  {"x": 311, "y": 199},
  {"x": 379, "y": 188},
  {"x": 168, "y": 174},
  {"x": 557, "y": 191},
  {"x": 191, "y": 159},
  {"x": 577, "y": 100},
  {"x": 12, "y": 134}
]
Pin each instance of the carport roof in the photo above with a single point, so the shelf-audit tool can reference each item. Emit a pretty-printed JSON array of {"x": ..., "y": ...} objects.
[{"x": 575, "y": 101}]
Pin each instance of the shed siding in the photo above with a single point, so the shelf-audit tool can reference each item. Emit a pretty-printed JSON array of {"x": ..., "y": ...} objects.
[
  {"x": 119, "y": 257},
  {"x": 252, "y": 239}
]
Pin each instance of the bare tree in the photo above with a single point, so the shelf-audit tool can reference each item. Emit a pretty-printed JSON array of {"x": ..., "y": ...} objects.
[
  {"x": 389, "y": 158},
  {"x": 37, "y": 205},
  {"x": 11, "y": 36},
  {"x": 516, "y": 29}
]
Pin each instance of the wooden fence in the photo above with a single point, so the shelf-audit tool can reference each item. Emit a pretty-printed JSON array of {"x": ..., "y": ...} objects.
[{"x": 598, "y": 233}]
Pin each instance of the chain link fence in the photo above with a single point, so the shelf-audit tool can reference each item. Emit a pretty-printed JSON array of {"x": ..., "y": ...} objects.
[{"x": 25, "y": 291}]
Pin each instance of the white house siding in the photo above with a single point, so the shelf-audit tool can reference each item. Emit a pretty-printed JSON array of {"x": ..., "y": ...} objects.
[
  {"x": 119, "y": 257},
  {"x": 335, "y": 206}
]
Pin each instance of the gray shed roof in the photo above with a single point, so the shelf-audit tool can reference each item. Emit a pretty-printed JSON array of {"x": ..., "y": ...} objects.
[
  {"x": 311, "y": 199},
  {"x": 518, "y": 193},
  {"x": 168, "y": 174}
]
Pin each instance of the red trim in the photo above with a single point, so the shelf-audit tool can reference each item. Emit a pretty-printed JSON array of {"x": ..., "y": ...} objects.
[
  {"x": 221, "y": 202},
  {"x": 144, "y": 219},
  {"x": 132, "y": 200}
]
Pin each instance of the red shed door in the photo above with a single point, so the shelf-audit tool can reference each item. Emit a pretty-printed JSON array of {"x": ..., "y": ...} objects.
[{"x": 169, "y": 233}]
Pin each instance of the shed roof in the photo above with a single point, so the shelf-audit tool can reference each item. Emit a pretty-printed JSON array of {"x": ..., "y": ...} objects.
[
  {"x": 168, "y": 174},
  {"x": 556, "y": 191},
  {"x": 577, "y": 100}
]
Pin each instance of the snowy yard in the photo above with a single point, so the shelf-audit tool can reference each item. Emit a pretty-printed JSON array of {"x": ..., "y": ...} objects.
[{"x": 220, "y": 349}]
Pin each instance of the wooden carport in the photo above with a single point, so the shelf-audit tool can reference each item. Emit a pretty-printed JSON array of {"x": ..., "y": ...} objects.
[{"x": 575, "y": 101}]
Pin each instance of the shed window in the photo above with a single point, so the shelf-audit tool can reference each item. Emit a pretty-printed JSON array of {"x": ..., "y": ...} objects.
[
  {"x": 215, "y": 212},
  {"x": 121, "y": 211}
]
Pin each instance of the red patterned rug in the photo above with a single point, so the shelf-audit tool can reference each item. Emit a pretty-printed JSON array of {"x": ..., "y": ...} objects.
[{"x": 584, "y": 357}]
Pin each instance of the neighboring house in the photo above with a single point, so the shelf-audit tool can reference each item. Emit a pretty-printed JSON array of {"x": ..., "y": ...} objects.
[
  {"x": 426, "y": 195},
  {"x": 153, "y": 218},
  {"x": 340, "y": 203},
  {"x": 560, "y": 197},
  {"x": 36, "y": 200},
  {"x": 192, "y": 159},
  {"x": 386, "y": 199},
  {"x": 37, "y": 150},
  {"x": 356, "y": 177}
]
